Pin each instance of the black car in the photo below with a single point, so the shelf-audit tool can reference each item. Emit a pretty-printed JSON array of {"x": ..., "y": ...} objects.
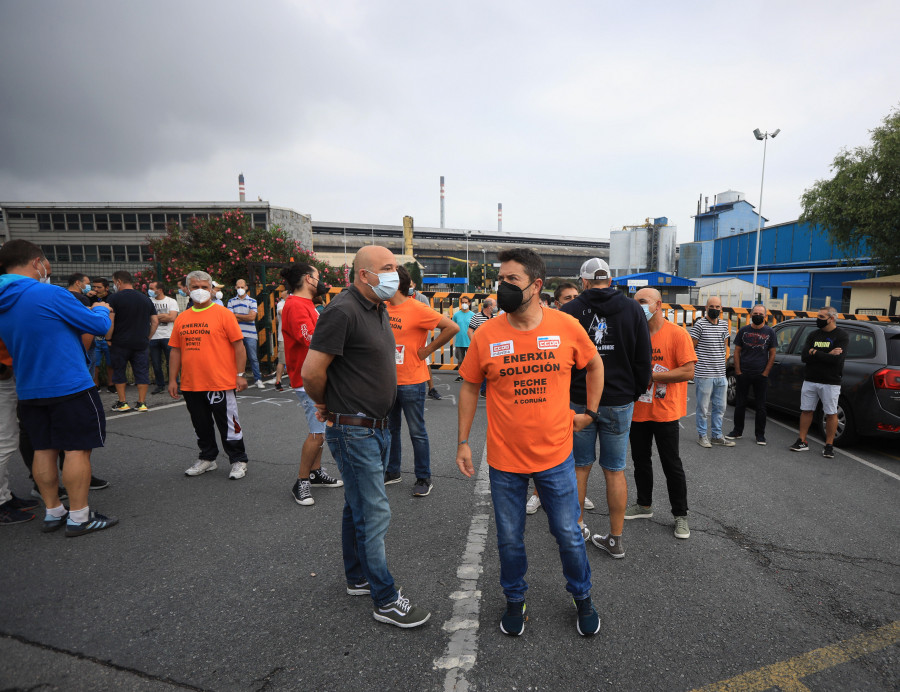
[{"x": 870, "y": 391}]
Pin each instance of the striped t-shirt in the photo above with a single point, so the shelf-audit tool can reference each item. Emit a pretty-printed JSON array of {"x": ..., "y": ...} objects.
[
  {"x": 244, "y": 306},
  {"x": 477, "y": 320},
  {"x": 711, "y": 339}
]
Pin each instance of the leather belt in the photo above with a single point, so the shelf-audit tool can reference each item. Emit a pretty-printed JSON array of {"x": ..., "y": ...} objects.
[{"x": 362, "y": 421}]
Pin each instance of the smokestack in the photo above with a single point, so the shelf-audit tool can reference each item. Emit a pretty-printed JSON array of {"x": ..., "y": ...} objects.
[
  {"x": 699, "y": 202},
  {"x": 706, "y": 205},
  {"x": 442, "y": 201},
  {"x": 499, "y": 217},
  {"x": 241, "y": 186}
]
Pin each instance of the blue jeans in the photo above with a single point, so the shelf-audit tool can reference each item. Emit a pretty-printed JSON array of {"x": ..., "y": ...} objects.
[
  {"x": 612, "y": 432},
  {"x": 252, "y": 346},
  {"x": 411, "y": 403},
  {"x": 157, "y": 348},
  {"x": 361, "y": 455},
  {"x": 711, "y": 392},
  {"x": 559, "y": 498}
]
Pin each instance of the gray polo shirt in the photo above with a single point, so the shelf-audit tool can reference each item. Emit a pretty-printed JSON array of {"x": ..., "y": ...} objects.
[{"x": 362, "y": 378}]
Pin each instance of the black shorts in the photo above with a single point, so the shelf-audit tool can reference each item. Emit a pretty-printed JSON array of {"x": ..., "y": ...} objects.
[
  {"x": 72, "y": 424},
  {"x": 120, "y": 356}
]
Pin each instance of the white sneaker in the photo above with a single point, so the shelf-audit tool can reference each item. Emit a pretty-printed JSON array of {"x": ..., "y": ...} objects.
[
  {"x": 585, "y": 532},
  {"x": 588, "y": 504},
  {"x": 703, "y": 441},
  {"x": 201, "y": 467},
  {"x": 533, "y": 503},
  {"x": 260, "y": 385},
  {"x": 238, "y": 470}
]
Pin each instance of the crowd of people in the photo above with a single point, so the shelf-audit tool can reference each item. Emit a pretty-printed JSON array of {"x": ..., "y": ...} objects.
[{"x": 568, "y": 380}]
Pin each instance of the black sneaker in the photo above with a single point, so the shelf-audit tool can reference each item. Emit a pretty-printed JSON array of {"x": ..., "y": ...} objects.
[
  {"x": 63, "y": 495},
  {"x": 433, "y": 393},
  {"x": 828, "y": 452},
  {"x": 159, "y": 390},
  {"x": 588, "y": 622},
  {"x": 401, "y": 613},
  {"x": 320, "y": 477},
  {"x": 11, "y": 515},
  {"x": 458, "y": 379},
  {"x": 361, "y": 588},
  {"x": 121, "y": 406},
  {"x": 422, "y": 487},
  {"x": 52, "y": 523},
  {"x": 111, "y": 389},
  {"x": 513, "y": 620},
  {"x": 392, "y": 477},
  {"x": 799, "y": 446},
  {"x": 22, "y": 505},
  {"x": 302, "y": 493},
  {"x": 95, "y": 522},
  {"x": 279, "y": 387},
  {"x": 97, "y": 484},
  {"x": 734, "y": 435},
  {"x": 761, "y": 439},
  {"x": 483, "y": 395}
]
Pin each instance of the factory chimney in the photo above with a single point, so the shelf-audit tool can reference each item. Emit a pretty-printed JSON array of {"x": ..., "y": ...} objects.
[
  {"x": 442, "y": 201},
  {"x": 241, "y": 186},
  {"x": 499, "y": 217}
]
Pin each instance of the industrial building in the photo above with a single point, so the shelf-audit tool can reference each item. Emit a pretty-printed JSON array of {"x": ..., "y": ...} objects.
[{"x": 648, "y": 247}]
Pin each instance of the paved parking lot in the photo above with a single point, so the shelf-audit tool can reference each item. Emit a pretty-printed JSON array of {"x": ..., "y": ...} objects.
[{"x": 790, "y": 577}]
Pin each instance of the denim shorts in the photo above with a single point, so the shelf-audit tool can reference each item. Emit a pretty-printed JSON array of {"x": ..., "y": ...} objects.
[
  {"x": 813, "y": 392},
  {"x": 612, "y": 432},
  {"x": 316, "y": 427}
]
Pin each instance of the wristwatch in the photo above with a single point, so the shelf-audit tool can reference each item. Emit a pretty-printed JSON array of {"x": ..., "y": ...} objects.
[{"x": 593, "y": 414}]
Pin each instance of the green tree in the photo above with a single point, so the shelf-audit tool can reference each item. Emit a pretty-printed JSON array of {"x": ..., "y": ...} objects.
[
  {"x": 414, "y": 273},
  {"x": 223, "y": 246},
  {"x": 476, "y": 276},
  {"x": 860, "y": 206}
]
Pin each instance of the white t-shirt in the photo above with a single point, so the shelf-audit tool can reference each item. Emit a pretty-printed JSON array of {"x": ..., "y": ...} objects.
[
  {"x": 164, "y": 306},
  {"x": 278, "y": 308}
]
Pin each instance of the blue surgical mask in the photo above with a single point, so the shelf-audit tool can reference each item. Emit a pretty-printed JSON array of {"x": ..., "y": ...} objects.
[
  {"x": 647, "y": 313},
  {"x": 387, "y": 284},
  {"x": 85, "y": 289},
  {"x": 182, "y": 293}
]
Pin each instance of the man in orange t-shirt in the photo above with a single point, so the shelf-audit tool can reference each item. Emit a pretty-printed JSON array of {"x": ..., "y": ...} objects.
[
  {"x": 657, "y": 411},
  {"x": 527, "y": 355},
  {"x": 411, "y": 321},
  {"x": 208, "y": 348}
]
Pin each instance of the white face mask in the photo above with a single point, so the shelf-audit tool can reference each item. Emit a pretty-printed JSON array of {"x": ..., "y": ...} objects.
[
  {"x": 463, "y": 306},
  {"x": 45, "y": 277},
  {"x": 218, "y": 295},
  {"x": 200, "y": 296},
  {"x": 241, "y": 292}
]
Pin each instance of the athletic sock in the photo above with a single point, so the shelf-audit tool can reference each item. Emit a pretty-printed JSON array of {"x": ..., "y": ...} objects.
[
  {"x": 79, "y": 516},
  {"x": 56, "y": 512}
]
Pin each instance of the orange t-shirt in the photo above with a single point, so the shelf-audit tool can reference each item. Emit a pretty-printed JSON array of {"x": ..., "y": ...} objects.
[
  {"x": 5, "y": 358},
  {"x": 529, "y": 422},
  {"x": 411, "y": 321},
  {"x": 671, "y": 348},
  {"x": 206, "y": 339}
]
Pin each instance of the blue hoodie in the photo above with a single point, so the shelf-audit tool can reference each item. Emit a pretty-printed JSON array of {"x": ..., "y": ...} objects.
[{"x": 41, "y": 325}]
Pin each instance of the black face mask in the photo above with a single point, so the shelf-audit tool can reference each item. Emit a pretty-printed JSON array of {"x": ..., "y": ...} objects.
[
  {"x": 509, "y": 296},
  {"x": 821, "y": 324},
  {"x": 712, "y": 313},
  {"x": 758, "y": 319},
  {"x": 321, "y": 287}
]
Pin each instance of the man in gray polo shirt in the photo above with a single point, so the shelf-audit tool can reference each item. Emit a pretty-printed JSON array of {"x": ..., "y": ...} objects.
[{"x": 351, "y": 376}]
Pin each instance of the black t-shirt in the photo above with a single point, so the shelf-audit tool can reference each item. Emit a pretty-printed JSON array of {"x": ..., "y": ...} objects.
[
  {"x": 132, "y": 322},
  {"x": 362, "y": 378},
  {"x": 83, "y": 299},
  {"x": 755, "y": 345},
  {"x": 823, "y": 367}
]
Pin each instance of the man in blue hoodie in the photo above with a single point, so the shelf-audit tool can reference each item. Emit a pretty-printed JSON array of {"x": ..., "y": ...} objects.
[
  {"x": 618, "y": 328},
  {"x": 59, "y": 407}
]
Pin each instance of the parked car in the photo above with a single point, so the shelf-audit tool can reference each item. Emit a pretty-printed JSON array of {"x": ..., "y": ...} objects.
[{"x": 869, "y": 404}]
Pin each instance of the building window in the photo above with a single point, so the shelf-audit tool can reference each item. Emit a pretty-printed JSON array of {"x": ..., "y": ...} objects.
[
  {"x": 115, "y": 222},
  {"x": 119, "y": 254},
  {"x": 130, "y": 222},
  {"x": 87, "y": 222},
  {"x": 104, "y": 253},
  {"x": 90, "y": 253},
  {"x": 49, "y": 252},
  {"x": 59, "y": 222},
  {"x": 76, "y": 253},
  {"x": 44, "y": 223},
  {"x": 102, "y": 221},
  {"x": 134, "y": 253},
  {"x": 259, "y": 219},
  {"x": 72, "y": 222},
  {"x": 144, "y": 222},
  {"x": 159, "y": 222},
  {"x": 146, "y": 253},
  {"x": 62, "y": 253}
]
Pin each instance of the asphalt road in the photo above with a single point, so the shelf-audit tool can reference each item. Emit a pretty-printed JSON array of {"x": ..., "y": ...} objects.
[{"x": 789, "y": 580}]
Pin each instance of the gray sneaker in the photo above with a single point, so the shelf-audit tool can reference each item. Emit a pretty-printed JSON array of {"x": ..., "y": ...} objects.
[
  {"x": 703, "y": 441},
  {"x": 637, "y": 511},
  {"x": 681, "y": 528},
  {"x": 611, "y": 544},
  {"x": 721, "y": 442},
  {"x": 401, "y": 613}
]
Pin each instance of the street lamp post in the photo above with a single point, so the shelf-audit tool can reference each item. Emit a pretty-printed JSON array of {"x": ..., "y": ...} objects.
[
  {"x": 467, "y": 261},
  {"x": 765, "y": 138},
  {"x": 484, "y": 279}
]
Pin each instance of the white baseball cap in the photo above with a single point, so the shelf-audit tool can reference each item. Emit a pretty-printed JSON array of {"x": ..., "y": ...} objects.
[{"x": 595, "y": 268}]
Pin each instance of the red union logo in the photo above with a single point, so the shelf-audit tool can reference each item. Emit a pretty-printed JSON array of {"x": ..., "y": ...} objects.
[
  {"x": 502, "y": 348},
  {"x": 547, "y": 342}
]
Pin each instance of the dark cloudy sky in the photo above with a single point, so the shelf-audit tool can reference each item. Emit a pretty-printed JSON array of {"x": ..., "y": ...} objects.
[{"x": 578, "y": 116}]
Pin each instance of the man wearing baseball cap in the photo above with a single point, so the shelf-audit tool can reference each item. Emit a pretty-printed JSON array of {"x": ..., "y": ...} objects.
[{"x": 618, "y": 328}]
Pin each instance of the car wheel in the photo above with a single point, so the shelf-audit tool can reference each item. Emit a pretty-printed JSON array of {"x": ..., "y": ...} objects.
[
  {"x": 846, "y": 427},
  {"x": 731, "y": 394}
]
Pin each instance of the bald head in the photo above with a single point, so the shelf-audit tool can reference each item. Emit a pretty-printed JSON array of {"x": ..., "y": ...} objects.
[
  {"x": 650, "y": 296},
  {"x": 369, "y": 262},
  {"x": 714, "y": 302}
]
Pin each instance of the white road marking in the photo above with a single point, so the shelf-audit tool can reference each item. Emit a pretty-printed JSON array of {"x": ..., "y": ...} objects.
[
  {"x": 840, "y": 451},
  {"x": 462, "y": 649},
  {"x": 150, "y": 409}
]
